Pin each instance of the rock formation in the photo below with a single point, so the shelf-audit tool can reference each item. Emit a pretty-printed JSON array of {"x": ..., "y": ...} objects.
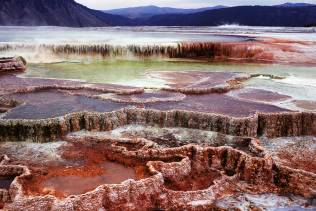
[
  {"x": 195, "y": 149},
  {"x": 12, "y": 64},
  {"x": 188, "y": 177}
]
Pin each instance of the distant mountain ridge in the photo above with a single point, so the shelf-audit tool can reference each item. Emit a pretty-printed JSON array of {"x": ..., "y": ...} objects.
[
  {"x": 151, "y": 10},
  {"x": 144, "y": 12},
  {"x": 242, "y": 15},
  {"x": 55, "y": 13},
  {"x": 70, "y": 13},
  {"x": 288, "y": 4}
]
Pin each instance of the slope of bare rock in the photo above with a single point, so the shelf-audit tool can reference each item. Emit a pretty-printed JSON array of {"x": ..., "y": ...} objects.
[{"x": 12, "y": 64}]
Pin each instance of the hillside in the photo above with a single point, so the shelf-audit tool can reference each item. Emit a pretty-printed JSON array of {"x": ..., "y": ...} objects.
[
  {"x": 71, "y": 14},
  {"x": 295, "y": 5},
  {"x": 243, "y": 15},
  {"x": 149, "y": 11},
  {"x": 54, "y": 13}
]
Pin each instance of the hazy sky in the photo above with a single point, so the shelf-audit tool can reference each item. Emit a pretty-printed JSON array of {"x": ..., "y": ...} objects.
[{"x": 109, "y": 4}]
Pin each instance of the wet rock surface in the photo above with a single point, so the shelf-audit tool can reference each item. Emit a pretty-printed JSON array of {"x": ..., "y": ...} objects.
[
  {"x": 146, "y": 97},
  {"x": 202, "y": 82},
  {"x": 219, "y": 104},
  {"x": 68, "y": 145},
  {"x": 12, "y": 84},
  {"x": 64, "y": 97},
  {"x": 259, "y": 95},
  {"x": 12, "y": 64},
  {"x": 6, "y": 104},
  {"x": 48, "y": 104}
]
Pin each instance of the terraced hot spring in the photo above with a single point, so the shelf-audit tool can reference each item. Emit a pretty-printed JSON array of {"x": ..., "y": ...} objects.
[
  {"x": 62, "y": 169},
  {"x": 134, "y": 72},
  {"x": 288, "y": 81}
]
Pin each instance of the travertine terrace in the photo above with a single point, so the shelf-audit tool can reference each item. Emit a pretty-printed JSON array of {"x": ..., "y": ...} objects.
[
  {"x": 251, "y": 50},
  {"x": 203, "y": 142}
]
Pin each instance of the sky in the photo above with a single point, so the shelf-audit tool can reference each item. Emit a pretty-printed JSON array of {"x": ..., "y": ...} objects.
[{"x": 110, "y": 4}]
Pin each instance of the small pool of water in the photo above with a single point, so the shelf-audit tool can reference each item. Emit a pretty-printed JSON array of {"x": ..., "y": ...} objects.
[{"x": 114, "y": 173}]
